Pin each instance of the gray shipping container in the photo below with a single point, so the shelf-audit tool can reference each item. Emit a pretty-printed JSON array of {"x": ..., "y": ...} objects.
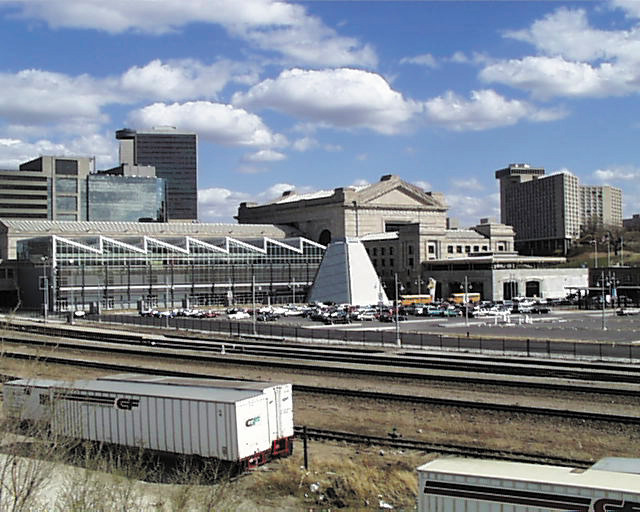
[
  {"x": 226, "y": 424},
  {"x": 280, "y": 397},
  {"x": 28, "y": 399},
  {"x": 474, "y": 485}
]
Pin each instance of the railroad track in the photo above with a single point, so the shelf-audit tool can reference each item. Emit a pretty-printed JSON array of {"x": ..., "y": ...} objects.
[
  {"x": 511, "y": 409},
  {"x": 239, "y": 353},
  {"x": 445, "y": 449}
]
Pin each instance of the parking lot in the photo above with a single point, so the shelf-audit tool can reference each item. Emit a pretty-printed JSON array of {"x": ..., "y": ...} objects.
[{"x": 558, "y": 324}]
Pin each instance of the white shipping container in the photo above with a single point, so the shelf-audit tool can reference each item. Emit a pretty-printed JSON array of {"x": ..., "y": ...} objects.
[
  {"x": 226, "y": 424},
  {"x": 27, "y": 399},
  {"x": 474, "y": 485},
  {"x": 280, "y": 396}
]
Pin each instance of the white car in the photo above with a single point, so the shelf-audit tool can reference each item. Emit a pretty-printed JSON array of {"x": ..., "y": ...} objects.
[{"x": 238, "y": 315}]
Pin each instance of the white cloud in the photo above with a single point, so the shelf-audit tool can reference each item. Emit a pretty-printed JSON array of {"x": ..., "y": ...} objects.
[
  {"x": 485, "y": 110},
  {"x": 308, "y": 143},
  {"x": 546, "y": 77},
  {"x": 183, "y": 79},
  {"x": 304, "y": 144},
  {"x": 219, "y": 204},
  {"x": 346, "y": 98},
  {"x": 265, "y": 155},
  {"x": 617, "y": 173},
  {"x": 459, "y": 58},
  {"x": 426, "y": 59},
  {"x": 567, "y": 33},
  {"x": 632, "y": 7},
  {"x": 576, "y": 59},
  {"x": 467, "y": 184},
  {"x": 271, "y": 25},
  {"x": 216, "y": 122},
  {"x": 52, "y": 101},
  {"x": 469, "y": 209},
  {"x": 14, "y": 152}
]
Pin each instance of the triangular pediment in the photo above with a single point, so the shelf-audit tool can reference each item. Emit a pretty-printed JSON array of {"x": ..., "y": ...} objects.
[{"x": 398, "y": 193}]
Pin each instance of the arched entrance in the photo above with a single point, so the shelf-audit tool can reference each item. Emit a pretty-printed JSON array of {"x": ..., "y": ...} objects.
[
  {"x": 509, "y": 290},
  {"x": 325, "y": 237},
  {"x": 532, "y": 289}
]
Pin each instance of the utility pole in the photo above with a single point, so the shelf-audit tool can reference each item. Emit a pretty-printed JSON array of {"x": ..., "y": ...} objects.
[{"x": 398, "y": 340}]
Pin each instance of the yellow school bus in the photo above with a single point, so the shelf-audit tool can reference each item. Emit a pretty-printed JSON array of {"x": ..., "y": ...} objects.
[
  {"x": 408, "y": 300},
  {"x": 458, "y": 298}
]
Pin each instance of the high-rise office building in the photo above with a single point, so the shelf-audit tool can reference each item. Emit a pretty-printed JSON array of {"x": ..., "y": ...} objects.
[
  {"x": 600, "y": 206},
  {"x": 174, "y": 156},
  {"x": 48, "y": 187},
  {"x": 549, "y": 212},
  {"x": 67, "y": 188}
]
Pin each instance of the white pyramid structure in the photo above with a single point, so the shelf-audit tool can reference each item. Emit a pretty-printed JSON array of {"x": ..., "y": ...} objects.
[{"x": 346, "y": 276}]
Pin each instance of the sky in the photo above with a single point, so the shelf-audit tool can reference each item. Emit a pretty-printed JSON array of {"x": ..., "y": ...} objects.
[{"x": 322, "y": 94}]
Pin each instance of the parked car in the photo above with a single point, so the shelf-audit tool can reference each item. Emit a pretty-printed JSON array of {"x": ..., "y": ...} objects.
[
  {"x": 628, "y": 311},
  {"x": 338, "y": 318},
  {"x": 391, "y": 317},
  {"x": 540, "y": 309},
  {"x": 238, "y": 315},
  {"x": 266, "y": 317}
]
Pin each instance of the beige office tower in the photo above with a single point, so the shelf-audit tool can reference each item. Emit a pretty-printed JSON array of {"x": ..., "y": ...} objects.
[
  {"x": 548, "y": 213},
  {"x": 543, "y": 210},
  {"x": 600, "y": 206}
]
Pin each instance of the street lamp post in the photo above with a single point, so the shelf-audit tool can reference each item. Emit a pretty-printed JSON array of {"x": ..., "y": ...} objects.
[
  {"x": 293, "y": 288},
  {"x": 71, "y": 282},
  {"x": 595, "y": 253},
  {"x": 398, "y": 340},
  {"x": 45, "y": 287},
  {"x": 466, "y": 301},
  {"x": 253, "y": 299},
  {"x": 602, "y": 284}
]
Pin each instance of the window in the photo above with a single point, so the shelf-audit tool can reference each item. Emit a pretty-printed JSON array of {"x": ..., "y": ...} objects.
[
  {"x": 450, "y": 249},
  {"x": 459, "y": 249},
  {"x": 382, "y": 262},
  {"x": 375, "y": 262},
  {"x": 381, "y": 251},
  {"x": 375, "y": 251},
  {"x": 411, "y": 262},
  {"x": 66, "y": 203},
  {"x": 467, "y": 248},
  {"x": 476, "y": 248},
  {"x": 390, "y": 251},
  {"x": 431, "y": 249},
  {"x": 391, "y": 262},
  {"x": 68, "y": 167},
  {"x": 410, "y": 249},
  {"x": 68, "y": 185}
]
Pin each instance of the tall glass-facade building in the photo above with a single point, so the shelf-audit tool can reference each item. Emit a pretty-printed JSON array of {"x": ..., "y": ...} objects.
[
  {"x": 174, "y": 156},
  {"x": 125, "y": 198}
]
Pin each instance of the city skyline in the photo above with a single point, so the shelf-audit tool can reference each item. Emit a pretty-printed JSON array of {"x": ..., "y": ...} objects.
[{"x": 321, "y": 94}]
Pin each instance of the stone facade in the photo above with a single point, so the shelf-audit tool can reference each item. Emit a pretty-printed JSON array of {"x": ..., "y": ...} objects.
[
  {"x": 351, "y": 211},
  {"x": 406, "y": 251}
]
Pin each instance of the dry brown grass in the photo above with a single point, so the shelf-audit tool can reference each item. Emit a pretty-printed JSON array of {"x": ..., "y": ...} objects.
[{"x": 343, "y": 478}]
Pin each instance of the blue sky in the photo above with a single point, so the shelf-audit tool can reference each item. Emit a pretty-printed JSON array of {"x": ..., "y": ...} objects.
[{"x": 322, "y": 94}]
